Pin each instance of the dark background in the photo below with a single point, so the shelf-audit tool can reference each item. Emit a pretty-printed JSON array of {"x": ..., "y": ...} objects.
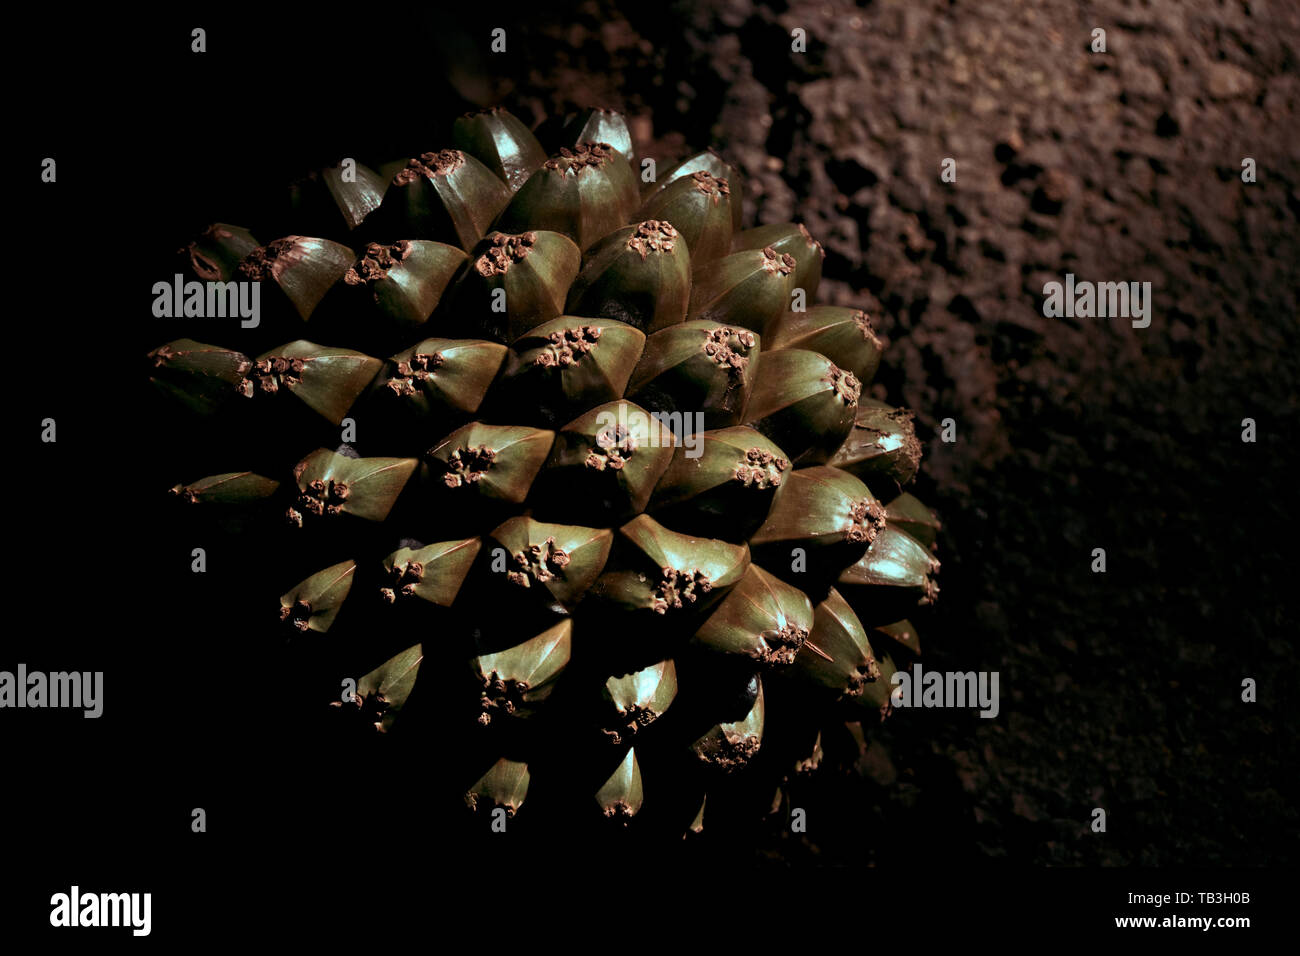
[{"x": 1119, "y": 690}]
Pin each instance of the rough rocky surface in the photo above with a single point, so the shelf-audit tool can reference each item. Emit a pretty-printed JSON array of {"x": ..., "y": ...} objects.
[{"x": 1119, "y": 690}]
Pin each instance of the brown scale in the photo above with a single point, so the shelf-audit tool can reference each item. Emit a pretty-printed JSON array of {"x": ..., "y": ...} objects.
[
  {"x": 862, "y": 675},
  {"x": 653, "y": 235},
  {"x": 778, "y": 262},
  {"x": 188, "y": 495},
  {"x": 811, "y": 241},
  {"x": 844, "y": 384},
  {"x": 162, "y": 355},
  {"x": 711, "y": 185},
  {"x": 319, "y": 498},
  {"x": 266, "y": 262},
  {"x": 429, "y": 165},
  {"x": 416, "y": 369},
  {"x": 863, "y": 322},
  {"x": 760, "y": 469},
  {"x": 500, "y": 696},
  {"x": 781, "y": 646},
  {"x": 376, "y": 262},
  {"x": 614, "y": 446},
  {"x": 539, "y": 563},
  {"x": 868, "y": 520},
  {"x": 619, "y": 812},
  {"x": 267, "y": 375},
  {"x": 632, "y": 721},
  {"x": 735, "y": 752},
  {"x": 582, "y": 156},
  {"x": 678, "y": 588},
  {"x": 503, "y": 252},
  {"x": 465, "y": 466},
  {"x": 727, "y": 347},
  {"x": 297, "y": 616},
  {"x": 403, "y": 578},
  {"x": 204, "y": 267},
  {"x": 568, "y": 346}
]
